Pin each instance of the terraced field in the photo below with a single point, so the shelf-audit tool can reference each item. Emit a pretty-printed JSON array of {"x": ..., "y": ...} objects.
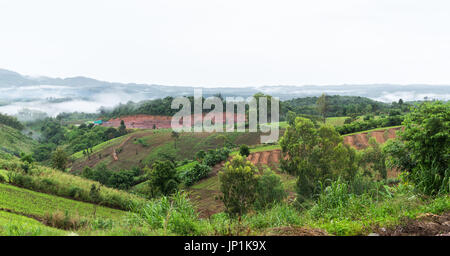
[{"x": 37, "y": 205}]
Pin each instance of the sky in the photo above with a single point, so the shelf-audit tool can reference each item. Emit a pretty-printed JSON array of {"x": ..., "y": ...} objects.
[{"x": 229, "y": 42}]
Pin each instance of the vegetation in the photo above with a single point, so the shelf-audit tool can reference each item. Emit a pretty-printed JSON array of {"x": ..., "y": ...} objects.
[
  {"x": 425, "y": 151},
  {"x": 163, "y": 178},
  {"x": 316, "y": 156},
  {"x": 338, "y": 189},
  {"x": 238, "y": 182},
  {"x": 11, "y": 122}
]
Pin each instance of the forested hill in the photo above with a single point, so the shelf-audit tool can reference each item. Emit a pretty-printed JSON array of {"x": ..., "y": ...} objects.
[
  {"x": 336, "y": 106},
  {"x": 341, "y": 106}
]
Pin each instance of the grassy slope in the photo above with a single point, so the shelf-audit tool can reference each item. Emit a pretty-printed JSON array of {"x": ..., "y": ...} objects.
[
  {"x": 14, "y": 141},
  {"x": 158, "y": 141},
  {"x": 37, "y": 204},
  {"x": 16, "y": 225},
  {"x": 60, "y": 183}
]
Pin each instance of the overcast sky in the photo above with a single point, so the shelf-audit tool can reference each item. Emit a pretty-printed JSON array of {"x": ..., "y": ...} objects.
[{"x": 229, "y": 42}]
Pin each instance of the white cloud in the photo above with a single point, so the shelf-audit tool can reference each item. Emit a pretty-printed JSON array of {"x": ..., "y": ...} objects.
[{"x": 232, "y": 42}]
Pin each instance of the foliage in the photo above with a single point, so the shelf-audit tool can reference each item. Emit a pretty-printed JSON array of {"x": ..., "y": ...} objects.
[
  {"x": 194, "y": 174},
  {"x": 175, "y": 214},
  {"x": 374, "y": 159},
  {"x": 11, "y": 122},
  {"x": 244, "y": 150},
  {"x": 214, "y": 157},
  {"x": 315, "y": 156},
  {"x": 238, "y": 182},
  {"x": 322, "y": 105},
  {"x": 427, "y": 139},
  {"x": 269, "y": 190},
  {"x": 60, "y": 159},
  {"x": 123, "y": 179},
  {"x": 358, "y": 126},
  {"x": 62, "y": 184},
  {"x": 163, "y": 178}
]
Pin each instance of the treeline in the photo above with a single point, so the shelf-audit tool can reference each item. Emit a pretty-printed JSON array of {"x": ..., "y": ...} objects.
[
  {"x": 370, "y": 123},
  {"x": 336, "y": 106},
  {"x": 74, "y": 138},
  {"x": 11, "y": 121},
  {"x": 341, "y": 106}
]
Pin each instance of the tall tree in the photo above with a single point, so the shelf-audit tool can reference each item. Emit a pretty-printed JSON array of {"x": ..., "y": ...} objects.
[
  {"x": 60, "y": 159},
  {"x": 322, "y": 106}
]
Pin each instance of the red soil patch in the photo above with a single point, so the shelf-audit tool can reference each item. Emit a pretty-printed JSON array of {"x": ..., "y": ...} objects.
[
  {"x": 361, "y": 140},
  {"x": 164, "y": 122}
]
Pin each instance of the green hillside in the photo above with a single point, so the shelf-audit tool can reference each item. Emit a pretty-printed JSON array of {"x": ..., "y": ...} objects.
[{"x": 14, "y": 142}]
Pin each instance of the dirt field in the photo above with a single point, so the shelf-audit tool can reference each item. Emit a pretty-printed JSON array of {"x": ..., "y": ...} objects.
[
  {"x": 162, "y": 122},
  {"x": 361, "y": 140}
]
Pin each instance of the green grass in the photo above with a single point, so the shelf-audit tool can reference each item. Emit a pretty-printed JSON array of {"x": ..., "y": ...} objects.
[
  {"x": 208, "y": 184},
  {"x": 48, "y": 180},
  {"x": 376, "y": 129},
  {"x": 102, "y": 146},
  {"x": 16, "y": 225},
  {"x": 37, "y": 204},
  {"x": 13, "y": 141},
  {"x": 259, "y": 148}
]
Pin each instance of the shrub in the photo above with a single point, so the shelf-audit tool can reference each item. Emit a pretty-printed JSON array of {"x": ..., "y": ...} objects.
[
  {"x": 427, "y": 139},
  {"x": 244, "y": 150},
  {"x": 163, "y": 178},
  {"x": 270, "y": 190},
  {"x": 238, "y": 183},
  {"x": 194, "y": 174}
]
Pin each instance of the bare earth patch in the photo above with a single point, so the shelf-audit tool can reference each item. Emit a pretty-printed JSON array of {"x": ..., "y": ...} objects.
[{"x": 425, "y": 225}]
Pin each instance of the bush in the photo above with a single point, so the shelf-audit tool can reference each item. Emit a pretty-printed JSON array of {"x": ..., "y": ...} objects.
[
  {"x": 214, "y": 157},
  {"x": 270, "y": 190},
  {"x": 244, "y": 150},
  {"x": 194, "y": 174},
  {"x": 163, "y": 178},
  {"x": 238, "y": 183},
  {"x": 427, "y": 140}
]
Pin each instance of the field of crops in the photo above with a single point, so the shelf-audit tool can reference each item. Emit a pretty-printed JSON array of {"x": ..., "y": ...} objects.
[{"x": 37, "y": 204}]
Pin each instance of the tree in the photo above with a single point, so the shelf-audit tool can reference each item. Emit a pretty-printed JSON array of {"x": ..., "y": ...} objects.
[
  {"x": 175, "y": 136},
  {"x": 122, "y": 128},
  {"x": 244, "y": 150},
  {"x": 374, "y": 159},
  {"x": 26, "y": 158},
  {"x": 238, "y": 182},
  {"x": 316, "y": 156},
  {"x": 290, "y": 118},
  {"x": 427, "y": 139},
  {"x": 60, "y": 159},
  {"x": 322, "y": 106},
  {"x": 163, "y": 178}
]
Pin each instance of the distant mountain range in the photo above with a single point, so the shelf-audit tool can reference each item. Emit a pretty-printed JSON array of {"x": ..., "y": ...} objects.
[{"x": 54, "y": 95}]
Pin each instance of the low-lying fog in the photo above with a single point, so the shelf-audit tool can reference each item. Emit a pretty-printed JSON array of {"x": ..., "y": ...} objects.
[{"x": 54, "y": 99}]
